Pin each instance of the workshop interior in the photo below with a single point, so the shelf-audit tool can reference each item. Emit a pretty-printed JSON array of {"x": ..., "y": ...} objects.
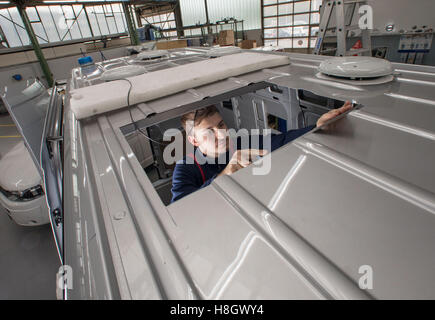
[{"x": 103, "y": 194}]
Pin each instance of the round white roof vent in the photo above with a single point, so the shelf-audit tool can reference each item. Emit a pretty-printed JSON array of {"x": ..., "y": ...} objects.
[
  {"x": 122, "y": 73},
  {"x": 363, "y": 69}
]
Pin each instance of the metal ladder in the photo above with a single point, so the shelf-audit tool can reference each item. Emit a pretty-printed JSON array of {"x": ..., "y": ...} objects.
[{"x": 341, "y": 29}]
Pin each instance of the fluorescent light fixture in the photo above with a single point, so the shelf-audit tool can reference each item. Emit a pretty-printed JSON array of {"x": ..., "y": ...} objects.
[{"x": 5, "y": 2}]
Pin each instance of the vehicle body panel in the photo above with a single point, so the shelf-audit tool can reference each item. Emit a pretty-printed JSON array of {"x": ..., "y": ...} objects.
[
  {"x": 361, "y": 194},
  {"x": 26, "y": 213},
  {"x": 18, "y": 169}
]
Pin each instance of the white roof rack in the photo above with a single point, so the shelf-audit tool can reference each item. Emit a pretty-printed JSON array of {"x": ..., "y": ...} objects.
[{"x": 112, "y": 95}]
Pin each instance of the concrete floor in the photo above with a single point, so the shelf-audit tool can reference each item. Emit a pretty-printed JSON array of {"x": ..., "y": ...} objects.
[
  {"x": 29, "y": 261},
  {"x": 28, "y": 256},
  {"x": 9, "y": 135}
]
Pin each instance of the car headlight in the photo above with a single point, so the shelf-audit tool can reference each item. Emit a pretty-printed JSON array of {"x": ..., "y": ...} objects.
[{"x": 26, "y": 195}]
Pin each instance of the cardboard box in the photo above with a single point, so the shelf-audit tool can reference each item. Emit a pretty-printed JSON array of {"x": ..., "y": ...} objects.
[
  {"x": 248, "y": 44},
  {"x": 226, "y": 38},
  {"x": 171, "y": 44}
]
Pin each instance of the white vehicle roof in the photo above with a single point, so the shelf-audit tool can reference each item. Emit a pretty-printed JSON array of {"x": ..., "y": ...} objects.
[{"x": 335, "y": 203}]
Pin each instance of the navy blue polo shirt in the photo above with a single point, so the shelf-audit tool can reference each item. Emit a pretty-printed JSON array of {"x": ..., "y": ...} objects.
[{"x": 188, "y": 178}]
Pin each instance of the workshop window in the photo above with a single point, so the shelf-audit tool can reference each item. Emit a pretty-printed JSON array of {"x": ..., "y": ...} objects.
[
  {"x": 291, "y": 24},
  {"x": 165, "y": 21},
  {"x": 58, "y": 23}
]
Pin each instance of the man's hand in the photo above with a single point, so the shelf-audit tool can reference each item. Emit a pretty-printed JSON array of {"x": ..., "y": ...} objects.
[
  {"x": 333, "y": 113},
  {"x": 241, "y": 159}
]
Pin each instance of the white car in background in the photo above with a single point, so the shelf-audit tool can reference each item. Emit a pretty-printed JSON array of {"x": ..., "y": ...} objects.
[
  {"x": 21, "y": 185},
  {"x": 21, "y": 191}
]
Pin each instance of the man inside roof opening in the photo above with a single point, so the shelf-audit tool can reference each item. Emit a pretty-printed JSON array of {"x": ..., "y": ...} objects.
[{"x": 215, "y": 154}]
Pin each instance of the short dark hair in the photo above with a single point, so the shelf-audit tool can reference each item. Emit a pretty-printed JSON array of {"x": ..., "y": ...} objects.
[{"x": 198, "y": 115}]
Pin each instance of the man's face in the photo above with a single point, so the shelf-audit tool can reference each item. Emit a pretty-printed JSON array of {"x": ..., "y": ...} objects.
[{"x": 211, "y": 136}]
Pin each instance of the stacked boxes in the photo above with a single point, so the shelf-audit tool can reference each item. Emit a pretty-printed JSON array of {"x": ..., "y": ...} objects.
[
  {"x": 226, "y": 38},
  {"x": 248, "y": 44}
]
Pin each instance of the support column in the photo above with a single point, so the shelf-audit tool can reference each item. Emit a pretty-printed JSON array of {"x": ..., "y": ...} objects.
[
  {"x": 131, "y": 28},
  {"x": 178, "y": 20},
  {"x": 207, "y": 18},
  {"x": 138, "y": 20},
  {"x": 36, "y": 47}
]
